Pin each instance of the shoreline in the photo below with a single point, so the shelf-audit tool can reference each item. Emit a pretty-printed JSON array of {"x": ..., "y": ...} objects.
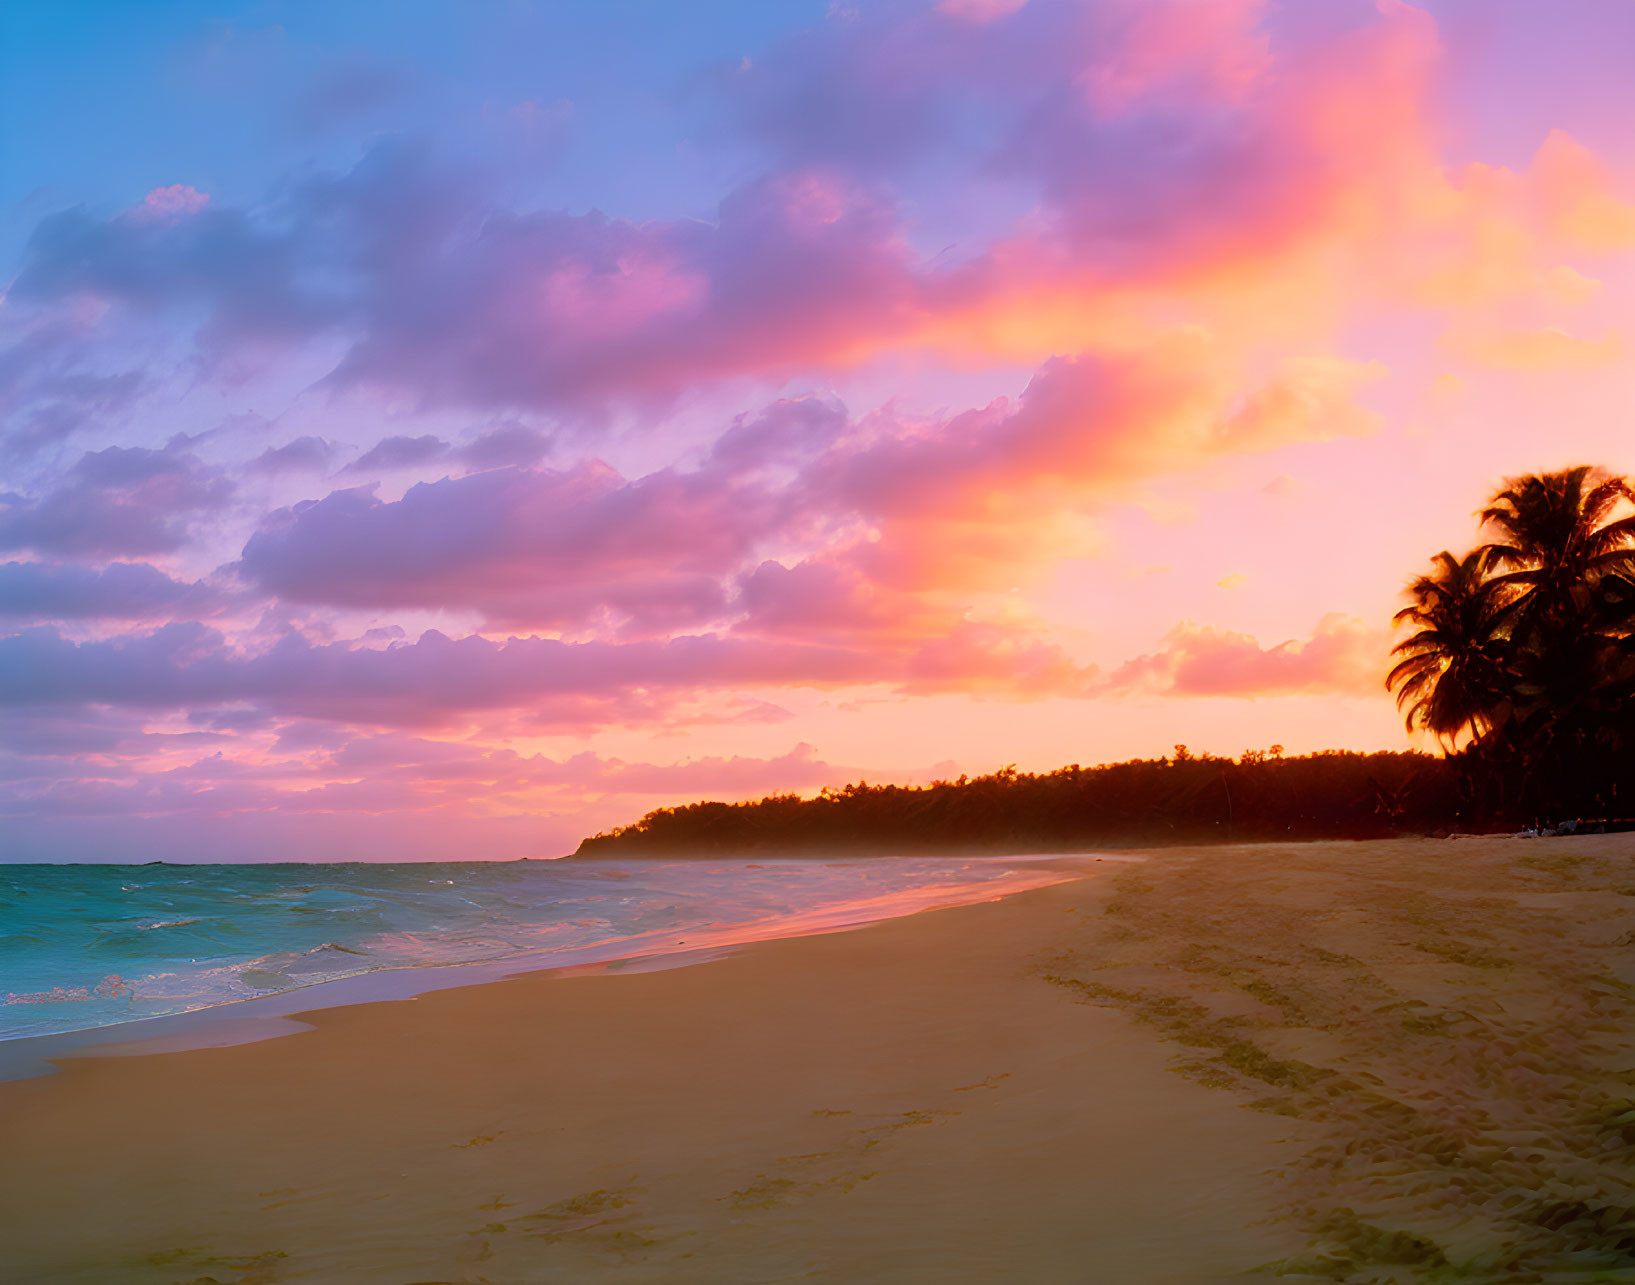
[
  {"x": 906, "y": 1101},
  {"x": 1393, "y": 1061},
  {"x": 268, "y": 1015}
]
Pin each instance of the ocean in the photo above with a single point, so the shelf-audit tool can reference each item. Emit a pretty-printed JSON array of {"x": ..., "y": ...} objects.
[{"x": 95, "y": 946}]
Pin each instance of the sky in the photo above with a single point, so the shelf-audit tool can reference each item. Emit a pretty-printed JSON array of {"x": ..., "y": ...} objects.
[{"x": 435, "y": 430}]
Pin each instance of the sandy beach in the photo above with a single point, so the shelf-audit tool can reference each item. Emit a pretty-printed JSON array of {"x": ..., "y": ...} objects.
[
  {"x": 740, "y": 642},
  {"x": 1381, "y": 1061}
]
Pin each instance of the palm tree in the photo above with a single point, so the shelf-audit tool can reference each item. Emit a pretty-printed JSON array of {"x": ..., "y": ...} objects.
[
  {"x": 1451, "y": 675},
  {"x": 1526, "y": 646},
  {"x": 1557, "y": 551},
  {"x": 1564, "y": 563}
]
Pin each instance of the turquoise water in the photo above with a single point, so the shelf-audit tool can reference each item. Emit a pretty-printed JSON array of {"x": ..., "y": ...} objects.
[{"x": 85, "y": 946}]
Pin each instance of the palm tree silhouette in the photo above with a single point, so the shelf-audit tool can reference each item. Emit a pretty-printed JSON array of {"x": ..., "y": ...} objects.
[
  {"x": 1450, "y": 680},
  {"x": 1564, "y": 568},
  {"x": 1556, "y": 546},
  {"x": 1526, "y": 645}
]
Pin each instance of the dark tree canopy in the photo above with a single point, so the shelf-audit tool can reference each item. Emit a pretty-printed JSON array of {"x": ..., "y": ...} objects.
[
  {"x": 1184, "y": 798},
  {"x": 1522, "y": 651}
]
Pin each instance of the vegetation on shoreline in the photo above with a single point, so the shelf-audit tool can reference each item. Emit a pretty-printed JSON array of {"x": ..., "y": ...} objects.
[
  {"x": 1521, "y": 657},
  {"x": 1183, "y": 798}
]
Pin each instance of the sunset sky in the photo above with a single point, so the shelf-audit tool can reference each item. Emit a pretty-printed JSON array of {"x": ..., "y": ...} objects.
[{"x": 447, "y": 429}]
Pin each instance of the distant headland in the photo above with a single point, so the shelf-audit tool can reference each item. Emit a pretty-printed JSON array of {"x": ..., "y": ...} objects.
[{"x": 1181, "y": 798}]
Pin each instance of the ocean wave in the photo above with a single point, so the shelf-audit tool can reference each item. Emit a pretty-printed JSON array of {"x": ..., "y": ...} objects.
[
  {"x": 139, "y": 940},
  {"x": 229, "y": 933},
  {"x": 111, "y": 987}
]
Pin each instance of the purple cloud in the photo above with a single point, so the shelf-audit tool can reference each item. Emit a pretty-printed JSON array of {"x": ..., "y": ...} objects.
[
  {"x": 508, "y": 444},
  {"x": 301, "y": 455},
  {"x": 253, "y": 278},
  {"x": 549, "y": 547},
  {"x": 119, "y": 591},
  {"x": 437, "y": 678},
  {"x": 48, "y": 391},
  {"x": 121, "y": 501},
  {"x": 438, "y": 290},
  {"x": 399, "y": 452}
]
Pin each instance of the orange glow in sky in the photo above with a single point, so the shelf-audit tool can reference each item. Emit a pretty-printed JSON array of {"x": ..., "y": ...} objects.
[{"x": 967, "y": 384}]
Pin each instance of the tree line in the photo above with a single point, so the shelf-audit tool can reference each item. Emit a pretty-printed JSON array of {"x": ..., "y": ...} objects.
[{"x": 1181, "y": 798}]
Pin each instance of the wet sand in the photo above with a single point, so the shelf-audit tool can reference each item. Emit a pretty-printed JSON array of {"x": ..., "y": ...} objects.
[{"x": 1351, "y": 1061}]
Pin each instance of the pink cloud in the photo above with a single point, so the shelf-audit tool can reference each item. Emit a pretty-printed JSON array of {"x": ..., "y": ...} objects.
[
  {"x": 390, "y": 773},
  {"x": 800, "y": 522},
  {"x": 979, "y": 11},
  {"x": 543, "y": 547},
  {"x": 1343, "y": 655},
  {"x": 479, "y": 773},
  {"x": 119, "y": 501},
  {"x": 551, "y": 309},
  {"x": 1582, "y": 199},
  {"x": 429, "y": 285},
  {"x": 413, "y": 797},
  {"x": 436, "y": 679},
  {"x": 1548, "y": 348},
  {"x": 1215, "y": 49},
  {"x": 176, "y": 201}
]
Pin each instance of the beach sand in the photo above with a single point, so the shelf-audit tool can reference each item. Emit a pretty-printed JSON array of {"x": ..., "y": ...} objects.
[{"x": 1366, "y": 1061}]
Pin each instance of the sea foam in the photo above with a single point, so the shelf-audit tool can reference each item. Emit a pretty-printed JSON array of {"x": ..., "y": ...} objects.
[{"x": 86, "y": 946}]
